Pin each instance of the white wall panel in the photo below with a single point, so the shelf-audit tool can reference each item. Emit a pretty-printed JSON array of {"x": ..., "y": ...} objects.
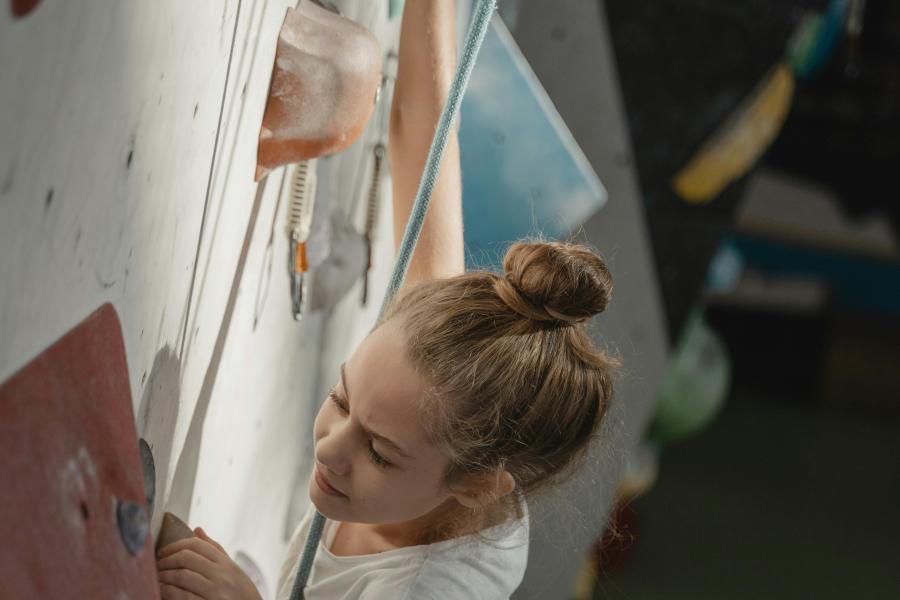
[
  {"x": 225, "y": 237},
  {"x": 109, "y": 114},
  {"x": 105, "y": 163},
  {"x": 125, "y": 158}
]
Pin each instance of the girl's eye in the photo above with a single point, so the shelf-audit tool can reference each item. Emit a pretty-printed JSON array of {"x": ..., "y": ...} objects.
[
  {"x": 341, "y": 405},
  {"x": 377, "y": 458},
  {"x": 338, "y": 401}
]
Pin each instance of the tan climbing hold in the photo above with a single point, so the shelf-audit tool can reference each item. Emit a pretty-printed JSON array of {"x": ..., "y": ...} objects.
[
  {"x": 324, "y": 82},
  {"x": 172, "y": 530}
]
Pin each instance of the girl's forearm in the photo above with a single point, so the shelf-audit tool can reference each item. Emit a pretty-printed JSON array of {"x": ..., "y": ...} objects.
[{"x": 425, "y": 70}]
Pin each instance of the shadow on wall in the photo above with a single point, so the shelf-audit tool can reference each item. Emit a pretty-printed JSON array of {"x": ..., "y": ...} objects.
[
  {"x": 157, "y": 415},
  {"x": 180, "y": 500}
]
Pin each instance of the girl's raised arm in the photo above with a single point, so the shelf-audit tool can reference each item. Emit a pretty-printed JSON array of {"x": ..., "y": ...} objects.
[{"x": 425, "y": 72}]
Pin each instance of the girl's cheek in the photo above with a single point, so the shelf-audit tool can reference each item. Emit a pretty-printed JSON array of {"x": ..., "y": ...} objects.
[{"x": 319, "y": 425}]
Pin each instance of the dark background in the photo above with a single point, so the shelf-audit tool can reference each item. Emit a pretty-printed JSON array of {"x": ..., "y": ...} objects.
[{"x": 793, "y": 491}]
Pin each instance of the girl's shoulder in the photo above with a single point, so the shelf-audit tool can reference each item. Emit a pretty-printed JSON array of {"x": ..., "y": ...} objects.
[
  {"x": 488, "y": 565},
  {"x": 511, "y": 535}
]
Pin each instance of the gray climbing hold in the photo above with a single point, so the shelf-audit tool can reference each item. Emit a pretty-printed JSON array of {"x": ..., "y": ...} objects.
[
  {"x": 149, "y": 467},
  {"x": 134, "y": 526}
]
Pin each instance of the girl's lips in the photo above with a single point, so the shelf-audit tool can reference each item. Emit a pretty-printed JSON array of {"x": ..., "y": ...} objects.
[{"x": 327, "y": 487}]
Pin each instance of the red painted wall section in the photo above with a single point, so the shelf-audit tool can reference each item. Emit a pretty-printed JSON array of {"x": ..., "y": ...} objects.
[
  {"x": 69, "y": 453},
  {"x": 20, "y": 8}
]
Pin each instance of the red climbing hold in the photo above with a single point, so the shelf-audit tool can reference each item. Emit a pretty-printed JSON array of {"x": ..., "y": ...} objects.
[
  {"x": 72, "y": 501},
  {"x": 20, "y": 8}
]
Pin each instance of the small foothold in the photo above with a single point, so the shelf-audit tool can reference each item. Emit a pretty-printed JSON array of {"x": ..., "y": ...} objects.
[
  {"x": 328, "y": 6},
  {"x": 48, "y": 200},
  {"x": 149, "y": 467},
  {"x": 134, "y": 526}
]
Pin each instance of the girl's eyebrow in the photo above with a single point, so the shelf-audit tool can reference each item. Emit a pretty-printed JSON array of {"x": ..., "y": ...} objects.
[{"x": 384, "y": 440}]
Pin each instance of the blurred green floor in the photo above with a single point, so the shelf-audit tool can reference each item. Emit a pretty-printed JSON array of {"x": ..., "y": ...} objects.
[{"x": 773, "y": 501}]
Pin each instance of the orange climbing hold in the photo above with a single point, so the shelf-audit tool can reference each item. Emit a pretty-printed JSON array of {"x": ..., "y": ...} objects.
[{"x": 324, "y": 83}]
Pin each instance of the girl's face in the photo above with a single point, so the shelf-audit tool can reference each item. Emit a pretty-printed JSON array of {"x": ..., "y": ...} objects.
[{"x": 374, "y": 463}]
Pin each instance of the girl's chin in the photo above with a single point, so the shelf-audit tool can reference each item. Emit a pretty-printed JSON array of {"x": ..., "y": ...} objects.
[{"x": 329, "y": 506}]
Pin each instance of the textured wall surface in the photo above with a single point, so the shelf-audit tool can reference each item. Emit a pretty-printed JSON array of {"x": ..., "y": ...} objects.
[{"x": 127, "y": 153}]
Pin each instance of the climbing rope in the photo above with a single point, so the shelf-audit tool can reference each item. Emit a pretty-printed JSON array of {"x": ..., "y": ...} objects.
[{"x": 481, "y": 19}]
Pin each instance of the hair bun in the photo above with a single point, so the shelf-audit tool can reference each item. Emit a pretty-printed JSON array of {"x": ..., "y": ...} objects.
[{"x": 556, "y": 281}]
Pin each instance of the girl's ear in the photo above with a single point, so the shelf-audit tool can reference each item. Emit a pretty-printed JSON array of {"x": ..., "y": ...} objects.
[{"x": 480, "y": 490}]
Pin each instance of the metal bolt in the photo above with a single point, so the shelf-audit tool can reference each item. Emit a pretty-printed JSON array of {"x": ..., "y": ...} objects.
[{"x": 134, "y": 526}]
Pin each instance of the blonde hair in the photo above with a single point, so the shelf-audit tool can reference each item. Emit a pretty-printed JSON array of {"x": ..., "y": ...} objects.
[{"x": 515, "y": 381}]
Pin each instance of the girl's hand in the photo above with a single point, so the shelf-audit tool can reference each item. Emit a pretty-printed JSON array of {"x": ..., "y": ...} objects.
[{"x": 198, "y": 568}]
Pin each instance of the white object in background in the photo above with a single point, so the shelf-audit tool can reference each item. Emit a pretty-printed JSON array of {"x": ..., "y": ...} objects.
[{"x": 249, "y": 566}]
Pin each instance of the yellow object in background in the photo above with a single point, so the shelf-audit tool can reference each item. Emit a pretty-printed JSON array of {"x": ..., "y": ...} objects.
[
  {"x": 586, "y": 581},
  {"x": 739, "y": 142}
]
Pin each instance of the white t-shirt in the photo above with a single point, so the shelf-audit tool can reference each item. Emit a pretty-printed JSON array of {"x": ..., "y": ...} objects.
[{"x": 486, "y": 567}]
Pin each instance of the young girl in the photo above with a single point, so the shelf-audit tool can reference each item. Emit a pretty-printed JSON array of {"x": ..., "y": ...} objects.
[{"x": 474, "y": 391}]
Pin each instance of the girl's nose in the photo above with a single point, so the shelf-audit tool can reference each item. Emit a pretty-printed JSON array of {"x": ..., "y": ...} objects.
[{"x": 333, "y": 449}]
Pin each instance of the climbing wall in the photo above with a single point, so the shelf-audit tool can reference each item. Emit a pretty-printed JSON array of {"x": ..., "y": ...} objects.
[{"x": 127, "y": 155}]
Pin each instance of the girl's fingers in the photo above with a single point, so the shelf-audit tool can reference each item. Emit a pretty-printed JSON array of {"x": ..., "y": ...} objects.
[
  {"x": 186, "y": 581},
  {"x": 202, "y": 535},
  {"x": 187, "y": 559},
  {"x": 201, "y": 547},
  {"x": 171, "y": 592}
]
